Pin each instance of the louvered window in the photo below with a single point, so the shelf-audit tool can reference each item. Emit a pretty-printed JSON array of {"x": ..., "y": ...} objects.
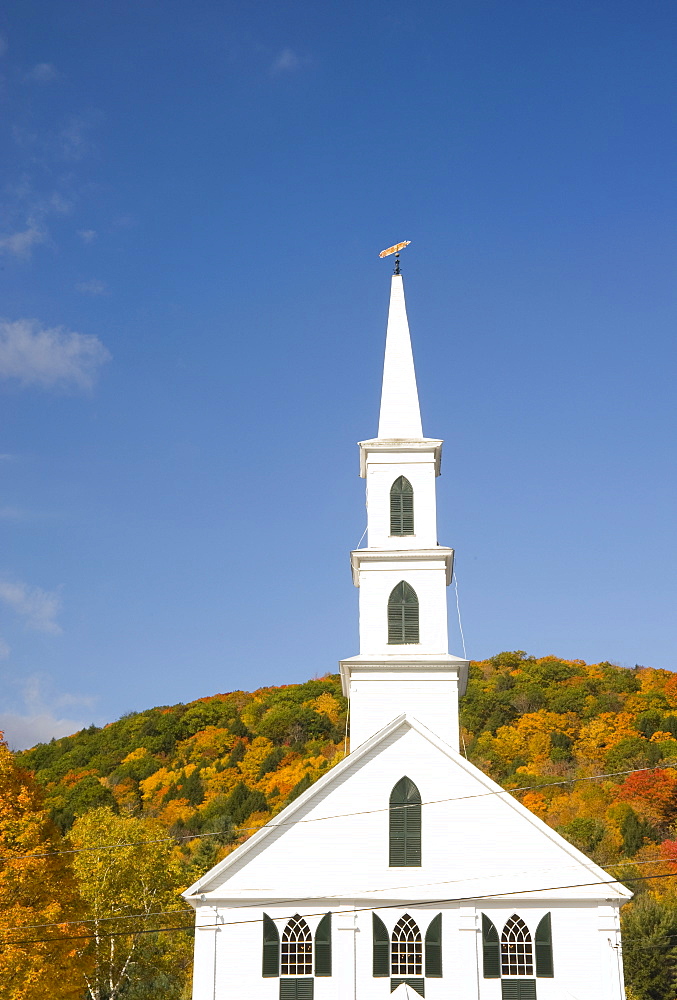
[
  {"x": 297, "y": 948},
  {"x": 406, "y": 949},
  {"x": 416, "y": 984},
  {"x": 401, "y": 507},
  {"x": 402, "y": 615},
  {"x": 516, "y": 949},
  {"x": 518, "y": 989},
  {"x": 405, "y": 825},
  {"x": 296, "y": 989}
]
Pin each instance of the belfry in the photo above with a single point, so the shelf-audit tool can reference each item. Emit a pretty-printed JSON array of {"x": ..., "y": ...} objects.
[
  {"x": 404, "y": 662},
  {"x": 405, "y": 869}
]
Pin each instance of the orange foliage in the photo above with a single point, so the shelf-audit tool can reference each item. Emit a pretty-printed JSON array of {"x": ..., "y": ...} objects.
[{"x": 654, "y": 792}]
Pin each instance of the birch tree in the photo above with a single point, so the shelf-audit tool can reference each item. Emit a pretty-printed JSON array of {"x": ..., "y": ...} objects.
[{"x": 130, "y": 878}]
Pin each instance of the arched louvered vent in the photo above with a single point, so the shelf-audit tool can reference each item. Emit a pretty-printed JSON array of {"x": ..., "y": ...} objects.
[
  {"x": 516, "y": 949},
  {"x": 402, "y": 615},
  {"x": 401, "y": 507},
  {"x": 405, "y": 825},
  {"x": 297, "y": 948}
]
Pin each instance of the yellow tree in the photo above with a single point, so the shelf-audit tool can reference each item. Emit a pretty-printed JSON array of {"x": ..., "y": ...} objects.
[
  {"x": 37, "y": 887},
  {"x": 130, "y": 877}
]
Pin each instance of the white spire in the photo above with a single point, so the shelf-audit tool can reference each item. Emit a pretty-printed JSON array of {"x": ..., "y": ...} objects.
[{"x": 400, "y": 412}]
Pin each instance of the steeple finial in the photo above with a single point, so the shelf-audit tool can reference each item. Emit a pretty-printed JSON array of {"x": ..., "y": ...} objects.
[{"x": 400, "y": 412}]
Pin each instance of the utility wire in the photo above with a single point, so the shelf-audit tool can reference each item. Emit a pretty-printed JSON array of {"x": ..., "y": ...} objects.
[
  {"x": 357, "y": 909},
  {"x": 298, "y": 899},
  {"x": 362, "y": 812}
]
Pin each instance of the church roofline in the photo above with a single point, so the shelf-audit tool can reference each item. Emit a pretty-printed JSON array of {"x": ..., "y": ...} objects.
[{"x": 613, "y": 891}]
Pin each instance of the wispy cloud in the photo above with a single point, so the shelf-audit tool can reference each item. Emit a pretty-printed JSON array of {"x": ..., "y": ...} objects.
[
  {"x": 49, "y": 356},
  {"x": 42, "y": 73},
  {"x": 73, "y": 140},
  {"x": 41, "y": 715},
  {"x": 37, "y": 607},
  {"x": 286, "y": 61},
  {"x": 21, "y": 243},
  {"x": 92, "y": 287},
  {"x": 87, "y": 235},
  {"x": 8, "y": 513}
]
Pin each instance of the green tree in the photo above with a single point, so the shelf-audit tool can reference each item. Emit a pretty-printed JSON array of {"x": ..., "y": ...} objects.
[
  {"x": 649, "y": 953},
  {"x": 129, "y": 891}
]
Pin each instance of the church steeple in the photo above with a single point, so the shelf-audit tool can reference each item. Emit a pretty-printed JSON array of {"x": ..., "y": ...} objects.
[
  {"x": 404, "y": 664},
  {"x": 400, "y": 412}
]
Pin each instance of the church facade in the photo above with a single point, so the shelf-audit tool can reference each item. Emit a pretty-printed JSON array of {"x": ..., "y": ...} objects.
[{"x": 405, "y": 868}]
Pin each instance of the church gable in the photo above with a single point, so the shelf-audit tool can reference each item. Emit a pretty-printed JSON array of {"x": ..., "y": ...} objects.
[{"x": 406, "y": 815}]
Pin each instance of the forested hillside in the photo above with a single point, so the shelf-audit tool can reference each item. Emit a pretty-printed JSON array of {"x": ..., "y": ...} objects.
[{"x": 211, "y": 772}]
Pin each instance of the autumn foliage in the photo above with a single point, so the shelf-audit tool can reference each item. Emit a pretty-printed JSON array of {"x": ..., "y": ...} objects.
[
  {"x": 590, "y": 748},
  {"x": 37, "y": 886}
]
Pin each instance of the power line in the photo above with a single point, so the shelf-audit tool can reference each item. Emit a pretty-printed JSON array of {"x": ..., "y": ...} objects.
[
  {"x": 298, "y": 899},
  {"x": 361, "y": 812},
  {"x": 357, "y": 909}
]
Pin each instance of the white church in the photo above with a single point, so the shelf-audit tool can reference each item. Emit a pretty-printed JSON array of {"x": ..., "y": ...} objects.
[{"x": 405, "y": 868}]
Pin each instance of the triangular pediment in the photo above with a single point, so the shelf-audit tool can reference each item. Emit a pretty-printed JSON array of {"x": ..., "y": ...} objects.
[{"x": 478, "y": 841}]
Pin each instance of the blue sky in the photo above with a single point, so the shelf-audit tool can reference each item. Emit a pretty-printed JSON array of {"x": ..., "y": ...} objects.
[{"x": 192, "y": 200}]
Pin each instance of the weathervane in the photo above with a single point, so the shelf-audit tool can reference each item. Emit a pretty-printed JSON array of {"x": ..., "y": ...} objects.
[{"x": 396, "y": 250}]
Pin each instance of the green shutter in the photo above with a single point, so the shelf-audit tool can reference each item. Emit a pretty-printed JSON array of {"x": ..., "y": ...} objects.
[
  {"x": 296, "y": 989},
  {"x": 304, "y": 989},
  {"x": 271, "y": 948},
  {"x": 403, "y": 615},
  {"x": 543, "y": 948},
  {"x": 323, "y": 946},
  {"x": 433, "y": 948},
  {"x": 405, "y": 825},
  {"x": 518, "y": 989},
  {"x": 416, "y": 984},
  {"x": 401, "y": 507},
  {"x": 381, "y": 963},
  {"x": 491, "y": 949}
]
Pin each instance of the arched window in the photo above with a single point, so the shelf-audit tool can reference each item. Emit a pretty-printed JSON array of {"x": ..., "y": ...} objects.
[
  {"x": 405, "y": 825},
  {"x": 516, "y": 949},
  {"x": 406, "y": 950},
  {"x": 401, "y": 507},
  {"x": 297, "y": 948},
  {"x": 402, "y": 615}
]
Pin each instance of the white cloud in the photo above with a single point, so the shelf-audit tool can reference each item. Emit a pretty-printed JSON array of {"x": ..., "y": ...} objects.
[
  {"x": 92, "y": 287},
  {"x": 49, "y": 356},
  {"x": 285, "y": 62},
  {"x": 21, "y": 244},
  {"x": 24, "y": 731},
  {"x": 36, "y": 606},
  {"x": 87, "y": 235},
  {"x": 42, "y": 73},
  {"x": 40, "y": 715}
]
